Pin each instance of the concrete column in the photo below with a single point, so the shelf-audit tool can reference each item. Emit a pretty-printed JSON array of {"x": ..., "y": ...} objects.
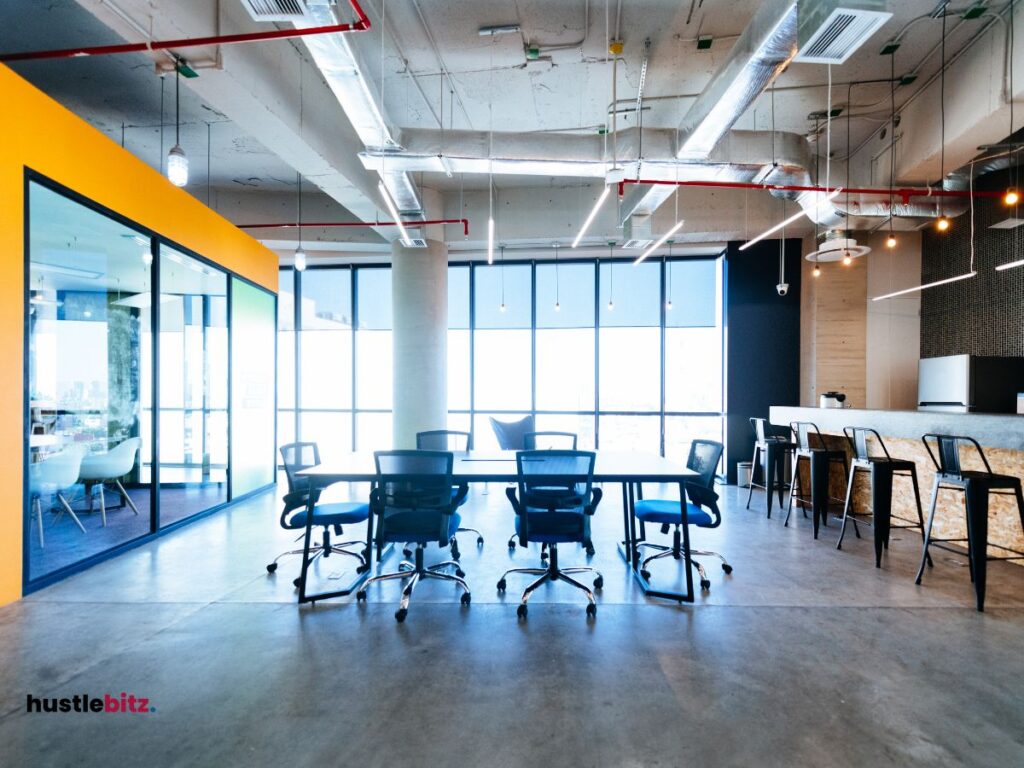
[{"x": 419, "y": 300}]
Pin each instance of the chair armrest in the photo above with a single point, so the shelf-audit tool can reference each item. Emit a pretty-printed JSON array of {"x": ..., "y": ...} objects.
[
  {"x": 704, "y": 497},
  {"x": 511, "y": 493},
  {"x": 596, "y": 494},
  {"x": 460, "y": 494}
]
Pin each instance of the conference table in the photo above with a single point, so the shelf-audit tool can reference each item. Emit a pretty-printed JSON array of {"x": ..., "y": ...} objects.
[{"x": 629, "y": 469}]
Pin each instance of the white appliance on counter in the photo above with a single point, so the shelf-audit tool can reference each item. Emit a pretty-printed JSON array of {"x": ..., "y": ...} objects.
[
  {"x": 966, "y": 383},
  {"x": 832, "y": 400}
]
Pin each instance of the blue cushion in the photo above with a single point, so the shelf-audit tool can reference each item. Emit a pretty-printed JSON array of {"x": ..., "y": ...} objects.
[
  {"x": 662, "y": 511},
  {"x": 417, "y": 527},
  {"x": 341, "y": 513},
  {"x": 554, "y": 527}
]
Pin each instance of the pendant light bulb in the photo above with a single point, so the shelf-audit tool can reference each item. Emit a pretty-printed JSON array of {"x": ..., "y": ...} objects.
[
  {"x": 817, "y": 271},
  {"x": 890, "y": 242},
  {"x": 942, "y": 224},
  {"x": 502, "y": 307},
  {"x": 300, "y": 259},
  {"x": 147, "y": 257},
  {"x": 558, "y": 307},
  {"x": 177, "y": 166},
  {"x": 668, "y": 305},
  {"x": 1012, "y": 197},
  {"x": 611, "y": 305},
  {"x": 847, "y": 259}
]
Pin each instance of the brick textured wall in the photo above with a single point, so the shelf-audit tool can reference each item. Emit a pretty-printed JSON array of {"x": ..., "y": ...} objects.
[{"x": 983, "y": 315}]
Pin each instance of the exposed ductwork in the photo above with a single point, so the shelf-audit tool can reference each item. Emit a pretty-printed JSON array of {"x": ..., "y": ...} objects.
[
  {"x": 763, "y": 50},
  {"x": 344, "y": 72}
]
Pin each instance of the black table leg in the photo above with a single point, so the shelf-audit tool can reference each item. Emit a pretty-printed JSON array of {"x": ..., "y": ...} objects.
[
  {"x": 977, "y": 529},
  {"x": 819, "y": 487},
  {"x": 772, "y": 477},
  {"x": 627, "y": 544},
  {"x": 634, "y": 539},
  {"x": 881, "y": 505}
]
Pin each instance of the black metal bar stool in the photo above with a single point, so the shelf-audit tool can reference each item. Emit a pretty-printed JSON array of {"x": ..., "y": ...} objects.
[
  {"x": 771, "y": 444},
  {"x": 882, "y": 469},
  {"x": 821, "y": 460},
  {"x": 976, "y": 485}
]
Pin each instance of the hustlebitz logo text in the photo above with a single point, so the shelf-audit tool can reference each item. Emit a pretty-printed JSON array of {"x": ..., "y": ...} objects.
[{"x": 109, "y": 703}]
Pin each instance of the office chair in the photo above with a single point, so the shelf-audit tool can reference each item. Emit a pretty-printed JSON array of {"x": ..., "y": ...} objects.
[
  {"x": 55, "y": 476},
  {"x": 299, "y": 499},
  {"x": 412, "y": 501},
  {"x": 98, "y": 469},
  {"x": 447, "y": 440},
  {"x": 554, "y": 500},
  {"x": 565, "y": 441},
  {"x": 704, "y": 457}
]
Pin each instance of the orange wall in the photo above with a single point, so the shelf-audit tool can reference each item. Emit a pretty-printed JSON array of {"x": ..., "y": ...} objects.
[{"x": 42, "y": 135}]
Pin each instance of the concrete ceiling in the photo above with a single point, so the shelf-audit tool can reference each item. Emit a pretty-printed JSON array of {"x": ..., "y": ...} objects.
[{"x": 430, "y": 67}]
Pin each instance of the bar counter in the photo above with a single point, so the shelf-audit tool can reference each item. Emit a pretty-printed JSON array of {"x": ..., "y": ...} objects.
[{"x": 1000, "y": 435}]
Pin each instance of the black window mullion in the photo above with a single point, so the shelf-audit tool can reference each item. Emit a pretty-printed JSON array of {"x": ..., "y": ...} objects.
[
  {"x": 662, "y": 320},
  {"x": 597, "y": 353},
  {"x": 533, "y": 340},
  {"x": 472, "y": 354},
  {"x": 354, "y": 291},
  {"x": 297, "y": 346}
]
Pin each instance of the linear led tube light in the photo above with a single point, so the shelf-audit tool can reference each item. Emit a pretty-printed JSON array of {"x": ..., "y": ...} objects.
[
  {"x": 490, "y": 240},
  {"x": 593, "y": 213},
  {"x": 1011, "y": 265},
  {"x": 832, "y": 196},
  {"x": 659, "y": 242},
  {"x": 393, "y": 211},
  {"x": 498, "y": 29},
  {"x": 964, "y": 276}
]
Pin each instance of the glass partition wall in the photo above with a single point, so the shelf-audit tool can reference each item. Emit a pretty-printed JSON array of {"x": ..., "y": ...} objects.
[
  {"x": 628, "y": 358},
  {"x": 96, "y": 374}
]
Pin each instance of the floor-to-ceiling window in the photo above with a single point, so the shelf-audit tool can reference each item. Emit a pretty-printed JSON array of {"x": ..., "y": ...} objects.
[
  {"x": 114, "y": 407},
  {"x": 628, "y": 358}
]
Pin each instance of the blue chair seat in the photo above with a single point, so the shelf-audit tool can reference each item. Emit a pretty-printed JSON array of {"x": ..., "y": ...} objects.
[
  {"x": 340, "y": 513},
  {"x": 663, "y": 511},
  {"x": 553, "y": 527},
  {"x": 417, "y": 528}
]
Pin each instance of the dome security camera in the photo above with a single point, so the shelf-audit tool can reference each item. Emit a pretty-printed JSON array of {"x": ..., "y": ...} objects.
[{"x": 782, "y": 288}]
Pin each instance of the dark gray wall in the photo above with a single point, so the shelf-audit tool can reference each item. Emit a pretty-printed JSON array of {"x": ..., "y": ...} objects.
[
  {"x": 985, "y": 314},
  {"x": 762, "y": 340}
]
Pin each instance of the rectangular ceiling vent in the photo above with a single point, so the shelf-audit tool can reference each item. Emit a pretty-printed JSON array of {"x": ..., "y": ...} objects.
[
  {"x": 414, "y": 242},
  {"x": 829, "y": 31},
  {"x": 637, "y": 231},
  {"x": 276, "y": 10}
]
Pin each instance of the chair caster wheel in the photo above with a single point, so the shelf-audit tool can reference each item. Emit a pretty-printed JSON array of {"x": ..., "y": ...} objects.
[
  {"x": 726, "y": 567},
  {"x": 361, "y": 596},
  {"x": 297, "y": 582},
  {"x": 599, "y": 582},
  {"x": 362, "y": 569},
  {"x": 591, "y": 609},
  {"x": 460, "y": 573},
  {"x": 705, "y": 584},
  {"x": 511, "y": 545},
  {"x": 646, "y": 574},
  {"x": 501, "y": 585},
  {"x": 480, "y": 541},
  {"x": 407, "y": 552},
  {"x": 521, "y": 611},
  {"x": 543, "y": 555},
  {"x": 456, "y": 555},
  {"x": 465, "y": 599},
  {"x": 590, "y": 550},
  {"x": 400, "y": 614},
  {"x": 272, "y": 567}
]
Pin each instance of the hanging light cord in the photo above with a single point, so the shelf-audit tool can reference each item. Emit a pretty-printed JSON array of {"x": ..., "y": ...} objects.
[
  {"x": 298, "y": 182},
  {"x": 942, "y": 114},
  {"x": 892, "y": 132},
  {"x": 177, "y": 103}
]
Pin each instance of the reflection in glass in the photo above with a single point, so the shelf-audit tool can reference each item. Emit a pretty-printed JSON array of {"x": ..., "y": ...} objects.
[
  {"x": 252, "y": 388},
  {"x": 89, "y": 338},
  {"x": 193, "y": 371}
]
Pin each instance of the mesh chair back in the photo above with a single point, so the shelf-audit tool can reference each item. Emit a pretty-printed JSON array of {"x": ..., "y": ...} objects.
[
  {"x": 550, "y": 441},
  {"x": 414, "y": 491},
  {"x": 512, "y": 434},
  {"x": 297, "y": 457},
  {"x": 703, "y": 459},
  {"x": 442, "y": 440},
  {"x": 555, "y": 481}
]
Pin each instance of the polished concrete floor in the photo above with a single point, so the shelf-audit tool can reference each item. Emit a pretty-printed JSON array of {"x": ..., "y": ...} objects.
[{"x": 804, "y": 656}]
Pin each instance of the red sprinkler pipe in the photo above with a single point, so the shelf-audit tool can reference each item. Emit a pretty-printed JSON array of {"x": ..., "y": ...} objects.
[
  {"x": 314, "y": 224},
  {"x": 361, "y": 24},
  {"x": 905, "y": 193}
]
